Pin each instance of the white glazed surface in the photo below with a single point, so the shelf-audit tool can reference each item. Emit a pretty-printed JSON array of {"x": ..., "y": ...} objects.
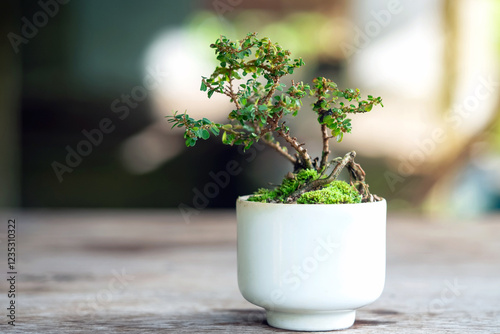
[{"x": 310, "y": 260}]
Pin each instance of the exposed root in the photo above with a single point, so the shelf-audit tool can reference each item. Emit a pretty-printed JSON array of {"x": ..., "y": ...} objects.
[{"x": 357, "y": 179}]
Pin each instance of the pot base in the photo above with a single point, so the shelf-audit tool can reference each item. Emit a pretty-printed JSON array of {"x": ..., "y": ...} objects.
[{"x": 320, "y": 321}]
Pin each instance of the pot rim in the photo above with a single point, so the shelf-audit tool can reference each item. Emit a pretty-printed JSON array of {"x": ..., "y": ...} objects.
[{"x": 243, "y": 199}]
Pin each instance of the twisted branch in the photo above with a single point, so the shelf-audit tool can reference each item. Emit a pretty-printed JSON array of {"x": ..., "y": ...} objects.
[
  {"x": 356, "y": 173},
  {"x": 319, "y": 183}
]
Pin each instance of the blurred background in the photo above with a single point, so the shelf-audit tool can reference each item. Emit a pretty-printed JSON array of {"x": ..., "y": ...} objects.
[{"x": 85, "y": 86}]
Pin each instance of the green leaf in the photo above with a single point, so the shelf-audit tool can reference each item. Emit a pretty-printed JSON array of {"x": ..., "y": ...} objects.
[
  {"x": 224, "y": 137},
  {"x": 210, "y": 93},
  {"x": 190, "y": 142},
  {"x": 215, "y": 130},
  {"x": 340, "y": 136},
  {"x": 229, "y": 139},
  {"x": 248, "y": 145},
  {"x": 205, "y": 134},
  {"x": 203, "y": 86}
]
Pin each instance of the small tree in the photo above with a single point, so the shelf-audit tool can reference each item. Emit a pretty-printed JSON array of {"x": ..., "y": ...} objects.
[{"x": 250, "y": 72}]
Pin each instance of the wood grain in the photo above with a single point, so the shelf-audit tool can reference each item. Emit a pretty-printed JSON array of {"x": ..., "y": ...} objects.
[{"x": 150, "y": 272}]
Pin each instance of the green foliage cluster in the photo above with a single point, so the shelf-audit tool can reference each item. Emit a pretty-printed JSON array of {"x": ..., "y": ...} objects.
[
  {"x": 254, "y": 102},
  {"x": 260, "y": 106},
  {"x": 337, "y": 192},
  {"x": 334, "y": 115},
  {"x": 249, "y": 73}
]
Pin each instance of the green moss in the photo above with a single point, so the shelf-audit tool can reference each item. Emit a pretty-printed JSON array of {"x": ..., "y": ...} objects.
[
  {"x": 287, "y": 187},
  {"x": 337, "y": 192},
  {"x": 307, "y": 175},
  {"x": 262, "y": 195}
]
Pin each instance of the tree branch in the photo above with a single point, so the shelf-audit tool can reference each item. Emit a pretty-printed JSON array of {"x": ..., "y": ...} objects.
[
  {"x": 266, "y": 99},
  {"x": 232, "y": 95},
  {"x": 326, "y": 148},
  {"x": 316, "y": 184},
  {"x": 277, "y": 147},
  {"x": 304, "y": 156}
]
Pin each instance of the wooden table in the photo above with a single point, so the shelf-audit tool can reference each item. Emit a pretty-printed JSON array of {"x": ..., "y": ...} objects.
[{"x": 150, "y": 272}]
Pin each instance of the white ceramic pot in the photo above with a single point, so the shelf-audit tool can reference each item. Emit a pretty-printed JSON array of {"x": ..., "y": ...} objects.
[{"x": 311, "y": 265}]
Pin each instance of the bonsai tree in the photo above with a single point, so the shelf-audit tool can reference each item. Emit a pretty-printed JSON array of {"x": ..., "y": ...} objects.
[{"x": 250, "y": 74}]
